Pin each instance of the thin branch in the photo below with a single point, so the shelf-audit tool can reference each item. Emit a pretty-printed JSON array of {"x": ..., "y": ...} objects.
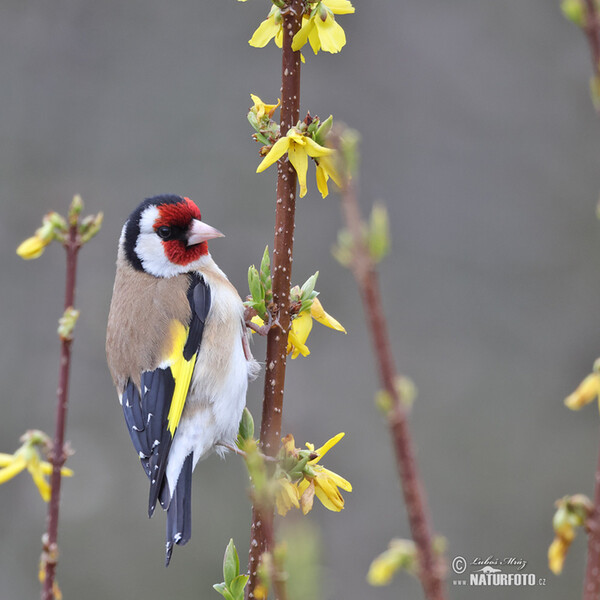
[
  {"x": 591, "y": 587},
  {"x": 365, "y": 274},
  {"x": 58, "y": 455},
  {"x": 592, "y": 32},
  {"x": 270, "y": 431}
]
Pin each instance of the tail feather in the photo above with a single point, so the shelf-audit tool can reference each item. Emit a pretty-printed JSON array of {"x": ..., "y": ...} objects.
[{"x": 179, "y": 513}]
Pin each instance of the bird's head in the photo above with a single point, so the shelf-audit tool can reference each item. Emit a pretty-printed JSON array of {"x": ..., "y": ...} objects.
[{"x": 165, "y": 236}]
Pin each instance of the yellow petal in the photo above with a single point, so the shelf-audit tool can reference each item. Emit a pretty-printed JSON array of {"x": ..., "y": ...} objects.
[
  {"x": 382, "y": 568},
  {"x": 322, "y": 178},
  {"x": 6, "y": 459},
  {"x": 306, "y": 490},
  {"x": 296, "y": 347},
  {"x": 46, "y": 468},
  {"x": 265, "y": 32},
  {"x": 313, "y": 39},
  {"x": 331, "y": 36},
  {"x": 316, "y": 150},
  {"x": 329, "y": 495},
  {"x": 335, "y": 479},
  {"x": 326, "y": 447},
  {"x": 556, "y": 555},
  {"x": 585, "y": 393},
  {"x": 260, "y": 108},
  {"x": 328, "y": 166},
  {"x": 279, "y": 148},
  {"x": 43, "y": 486},
  {"x": 299, "y": 159},
  {"x": 286, "y": 496},
  {"x": 32, "y": 247},
  {"x": 257, "y": 321},
  {"x": 339, "y": 7},
  {"x": 319, "y": 314},
  {"x": 301, "y": 327},
  {"x": 14, "y": 468}
]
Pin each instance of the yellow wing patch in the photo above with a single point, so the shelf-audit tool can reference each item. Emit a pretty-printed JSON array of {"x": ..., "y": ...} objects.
[{"x": 181, "y": 370}]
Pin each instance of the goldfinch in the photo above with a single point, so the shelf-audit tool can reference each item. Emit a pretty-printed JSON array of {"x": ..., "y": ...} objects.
[{"x": 177, "y": 349}]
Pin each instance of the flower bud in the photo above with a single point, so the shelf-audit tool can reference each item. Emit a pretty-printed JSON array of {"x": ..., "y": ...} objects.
[
  {"x": 586, "y": 392},
  {"x": 32, "y": 247}
]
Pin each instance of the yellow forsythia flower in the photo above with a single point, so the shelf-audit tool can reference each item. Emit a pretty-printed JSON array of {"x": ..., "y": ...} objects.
[
  {"x": 322, "y": 482},
  {"x": 320, "y": 28},
  {"x": 325, "y": 170},
  {"x": 302, "y": 326},
  {"x": 271, "y": 27},
  {"x": 260, "y": 109},
  {"x": 27, "y": 456},
  {"x": 298, "y": 147},
  {"x": 286, "y": 496},
  {"x": 401, "y": 554}
]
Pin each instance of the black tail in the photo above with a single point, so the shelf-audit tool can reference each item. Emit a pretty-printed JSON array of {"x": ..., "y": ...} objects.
[{"x": 179, "y": 513}]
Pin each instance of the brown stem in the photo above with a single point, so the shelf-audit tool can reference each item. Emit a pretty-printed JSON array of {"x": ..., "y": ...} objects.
[
  {"x": 270, "y": 430},
  {"x": 365, "y": 274},
  {"x": 58, "y": 455},
  {"x": 591, "y": 587},
  {"x": 592, "y": 31}
]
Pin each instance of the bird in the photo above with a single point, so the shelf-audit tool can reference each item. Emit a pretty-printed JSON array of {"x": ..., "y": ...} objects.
[{"x": 177, "y": 349}]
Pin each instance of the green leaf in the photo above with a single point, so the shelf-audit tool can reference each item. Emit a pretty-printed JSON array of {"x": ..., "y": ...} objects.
[
  {"x": 237, "y": 586},
  {"x": 221, "y": 588},
  {"x": 309, "y": 286},
  {"x": 265, "y": 268},
  {"x": 256, "y": 289},
  {"x": 323, "y": 130},
  {"x": 306, "y": 304},
  {"x": 246, "y": 430},
  {"x": 231, "y": 563},
  {"x": 253, "y": 121}
]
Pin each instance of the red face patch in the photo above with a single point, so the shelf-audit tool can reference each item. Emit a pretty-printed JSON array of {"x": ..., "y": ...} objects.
[{"x": 180, "y": 215}]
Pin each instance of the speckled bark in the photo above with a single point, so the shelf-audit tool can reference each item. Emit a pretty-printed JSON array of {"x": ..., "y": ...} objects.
[{"x": 261, "y": 533}]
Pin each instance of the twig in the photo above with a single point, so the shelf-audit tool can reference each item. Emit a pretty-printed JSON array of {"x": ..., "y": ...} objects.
[
  {"x": 270, "y": 430},
  {"x": 591, "y": 587},
  {"x": 365, "y": 274},
  {"x": 58, "y": 456},
  {"x": 592, "y": 32}
]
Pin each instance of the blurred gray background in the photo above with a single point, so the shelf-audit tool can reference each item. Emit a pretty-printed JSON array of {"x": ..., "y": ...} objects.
[{"x": 478, "y": 134}]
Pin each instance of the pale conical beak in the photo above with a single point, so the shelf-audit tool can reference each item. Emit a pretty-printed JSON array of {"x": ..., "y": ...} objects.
[{"x": 200, "y": 232}]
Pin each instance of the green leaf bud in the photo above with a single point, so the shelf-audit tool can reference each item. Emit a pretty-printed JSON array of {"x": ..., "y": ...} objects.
[
  {"x": 66, "y": 323},
  {"x": 379, "y": 233},
  {"x": 323, "y": 130},
  {"x": 308, "y": 286},
  {"x": 246, "y": 430},
  {"x": 574, "y": 11},
  {"x": 231, "y": 563}
]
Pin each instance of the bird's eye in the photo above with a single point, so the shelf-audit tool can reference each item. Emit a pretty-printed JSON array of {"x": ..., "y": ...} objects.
[{"x": 164, "y": 232}]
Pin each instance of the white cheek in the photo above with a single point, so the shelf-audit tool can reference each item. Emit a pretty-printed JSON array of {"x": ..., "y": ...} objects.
[{"x": 150, "y": 251}]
